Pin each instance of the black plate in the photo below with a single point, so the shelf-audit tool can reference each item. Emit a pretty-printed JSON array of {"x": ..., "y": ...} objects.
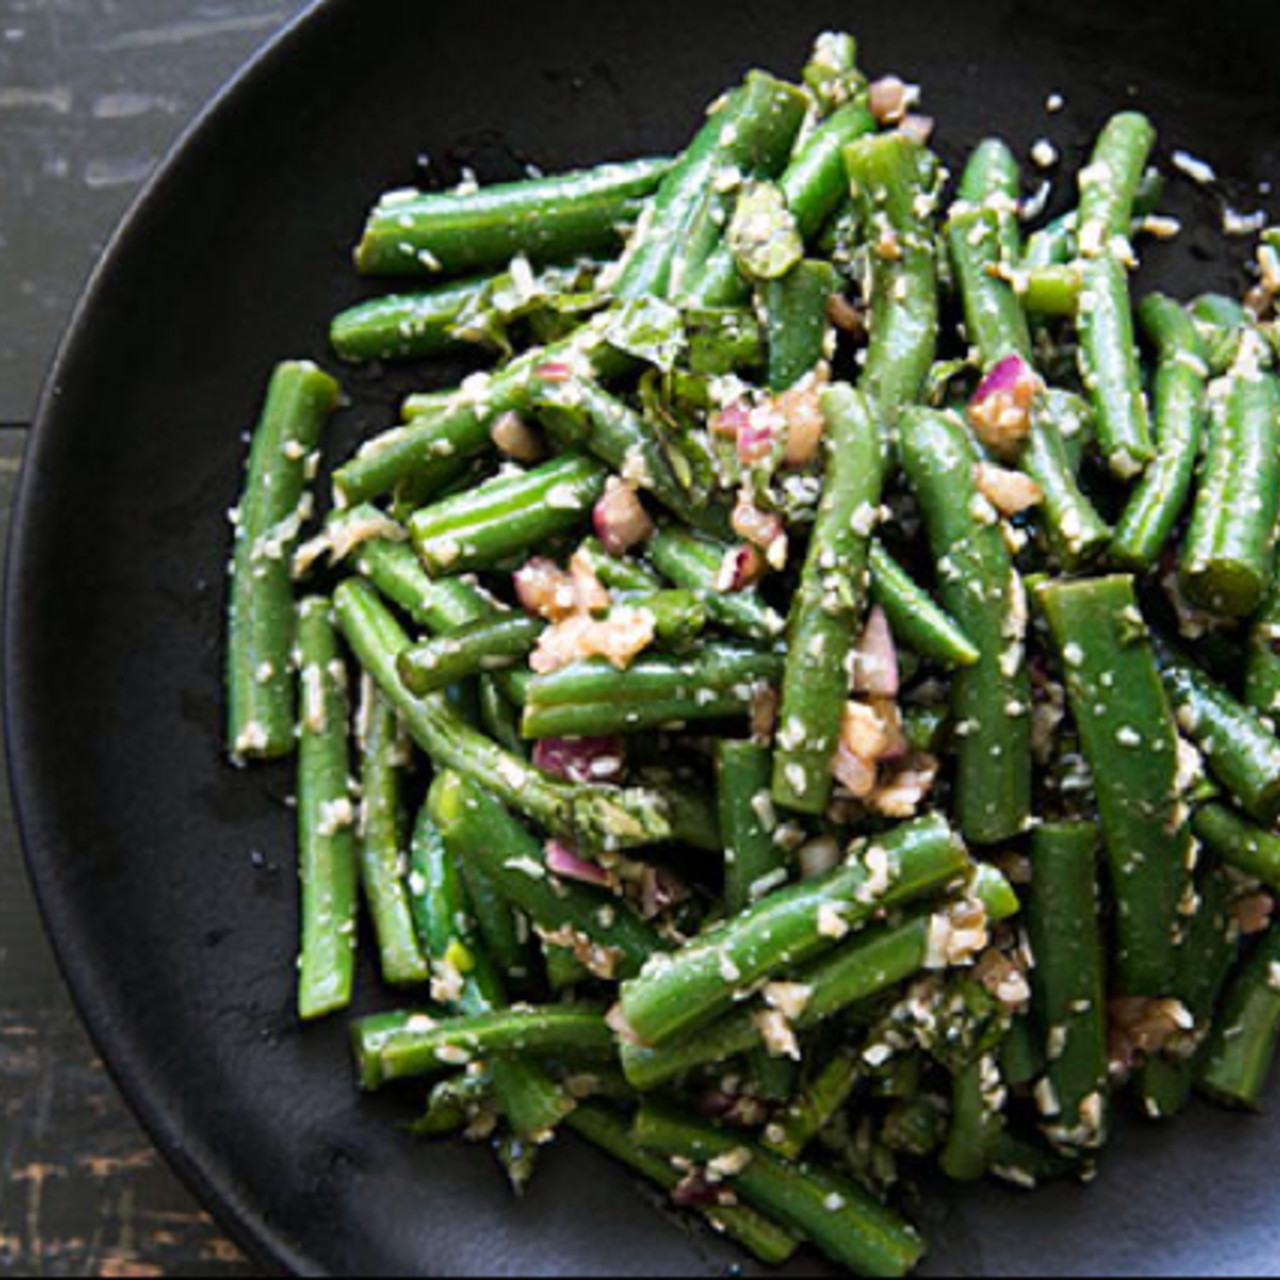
[{"x": 165, "y": 874}]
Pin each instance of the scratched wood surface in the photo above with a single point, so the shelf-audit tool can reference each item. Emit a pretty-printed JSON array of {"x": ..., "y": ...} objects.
[{"x": 92, "y": 95}]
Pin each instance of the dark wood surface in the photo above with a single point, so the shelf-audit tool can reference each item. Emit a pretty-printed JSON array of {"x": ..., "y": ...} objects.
[{"x": 92, "y": 95}]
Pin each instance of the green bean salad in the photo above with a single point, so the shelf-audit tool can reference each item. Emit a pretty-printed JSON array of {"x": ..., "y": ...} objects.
[{"x": 805, "y": 715}]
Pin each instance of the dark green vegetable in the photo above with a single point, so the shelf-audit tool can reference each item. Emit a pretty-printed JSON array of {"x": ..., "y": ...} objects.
[
  {"x": 490, "y": 645},
  {"x": 692, "y": 987},
  {"x": 1069, "y": 982},
  {"x": 795, "y": 315},
  {"x": 1131, "y": 741},
  {"x": 1241, "y": 1052},
  {"x": 382, "y": 844},
  {"x": 894, "y": 178},
  {"x": 262, "y": 614},
  {"x": 914, "y": 617},
  {"x": 1240, "y": 844},
  {"x": 837, "y": 1216},
  {"x": 976, "y": 1122},
  {"x": 547, "y": 219},
  {"x": 327, "y": 858},
  {"x": 1180, "y": 391},
  {"x": 995, "y": 322},
  {"x": 405, "y": 326},
  {"x": 1228, "y": 559},
  {"x": 830, "y": 605},
  {"x": 979, "y": 585},
  {"x": 754, "y": 862},
  {"x": 817, "y": 1104}
]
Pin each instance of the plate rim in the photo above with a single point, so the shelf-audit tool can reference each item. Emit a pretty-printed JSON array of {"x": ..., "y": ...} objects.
[{"x": 200, "y": 1171}]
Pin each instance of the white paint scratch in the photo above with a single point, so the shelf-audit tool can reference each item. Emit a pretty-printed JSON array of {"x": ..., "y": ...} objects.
[
  {"x": 185, "y": 32},
  {"x": 125, "y": 106},
  {"x": 118, "y": 171},
  {"x": 59, "y": 101}
]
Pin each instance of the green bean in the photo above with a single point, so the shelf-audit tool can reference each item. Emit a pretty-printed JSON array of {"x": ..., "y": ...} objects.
[
  {"x": 1241, "y": 751},
  {"x": 817, "y": 1104},
  {"x": 1110, "y": 368},
  {"x": 547, "y": 219},
  {"x": 594, "y": 699},
  {"x": 1239, "y": 843},
  {"x": 982, "y": 590},
  {"x": 830, "y": 605},
  {"x": 1205, "y": 963},
  {"x": 603, "y": 931},
  {"x": 408, "y": 1046},
  {"x": 381, "y": 841},
  {"x": 977, "y": 1121},
  {"x": 1180, "y": 389},
  {"x": 593, "y": 816},
  {"x": 831, "y": 75},
  {"x": 695, "y": 563},
  {"x": 405, "y": 326},
  {"x": 795, "y": 314},
  {"x": 484, "y": 646},
  {"x": 754, "y": 863},
  {"x": 1221, "y": 323},
  {"x": 1069, "y": 982},
  {"x": 262, "y": 616},
  {"x": 678, "y": 993},
  {"x": 616, "y": 572},
  {"x": 445, "y": 431},
  {"x": 759, "y": 1235},
  {"x": 1052, "y": 292},
  {"x": 1055, "y": 245},
  {"x": 327, "y": 859},
  {"x": 1029, "y": 1165},
  {"x": 724, "y": 338},
  {"x": 509, "y": 516},
  {"x": 1077, "y": 533},
  {"x": 1131, "y": 741},
  {"x": 1228, "y": 559},
  {"x": 837, "y": 1216},
  {"x": 992, "y": 179},
  {"x": 816, "y": 181},
  {"x": 857, "y": 972},
  {"x": 751, "y": 132},
  {"x": 893, "y": 178},
  {"x": 581, "y": 414},
  {"x": 995, "y": 322},
  {"x": 500, "y": 716},
  {"x": 914, "y": 618},
  {"x": 1109, "y": 186},
  {"x": 1262, "y": 674},
  {"x": 1242, "y": 1049},
  {"x": 1022, "y": 1057}
]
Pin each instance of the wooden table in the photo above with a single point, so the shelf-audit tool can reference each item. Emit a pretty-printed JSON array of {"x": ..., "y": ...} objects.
[{"x": 92, "y": 95}]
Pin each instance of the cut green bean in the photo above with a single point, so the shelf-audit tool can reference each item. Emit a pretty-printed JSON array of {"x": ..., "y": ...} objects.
[
  {"x": 1250, "y": 849},
  {"x": 327, "y": 857},
  {"x": 893, "y": 178},
  {"x": 1242, "y": 753},
  {"x": 507, "y": 517},
  {"x": 484, "y": 646},
  {"x": 977, "y": 1120},
  {"x": 837, "y": 1216},
  {"x": 595, "y": 817},
  {"x": 1242, "y": 1049},
  {"x": 696, "y": 564},
  {"x": 995, "y": 322},
  {"x": 1069, "y": 982},
  {"x": 1131, "y": 741},
  {"x": 830, "y": 606},
  {"x": 1180, "y": 399},
  {"x": 603, "y": 931},
  {"x": 1221, "y": 323},
  {"x": 546, "y": 219},
  {"x": 616, "y": 572},
  {"x": 1262, "y": 675},
  {"x": 759, "y": 1235},
  {"x": 594, "y": 699},
  {"x": 405, "y": 326},
  {"x": 1077, "y": 533},
  {"x": 981, "y": 588},
  {"x": 408, "y": 1046},
  {"x": 382, "y": 846},
  {"x": 754, "y": 863},
  {"x": 1110, "y": 368},
  {"x": 815, "y": 1107},
  {"x": 695, "y": 985},
  {"x": 1228, "y": 559},
  {"x": 795, "y": 314},
  {"x": 915, "y": 619},
  {"x": 752, "y": 132},
  {"x": 262, "y": 615},
  {"x": 1109, "y": 186},
  {"x": 1051, "y": 292}
]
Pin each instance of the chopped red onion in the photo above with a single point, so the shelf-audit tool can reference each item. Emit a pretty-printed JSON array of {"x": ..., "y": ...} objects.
[
  {"x": 755, "y": 439},
  {"x": 1006, "y": 378},
  {"x": 740, "y": 570},
  {"x": 621, "y": 522},
  {"x": 545, "y": 590},
  {"x": 583, "y": 760},
  {"x": 565, "y": 863},
  {"x": 876, "y": 671},
  {"x": 1000, "y": 412},
  {"x": 888, "y": 100},
  {"x": 659, "y": 890},
  {"x": 760, "y": 528},
  {"x": 695, "y": 1192},
  {"x": 856, "y": 775},
  {"x": 731, "y": 420},
  {"x": 554, "y": 372}
]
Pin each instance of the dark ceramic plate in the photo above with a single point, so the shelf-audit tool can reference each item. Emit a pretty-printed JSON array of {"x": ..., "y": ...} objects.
[{"x": 165, "y": 875}]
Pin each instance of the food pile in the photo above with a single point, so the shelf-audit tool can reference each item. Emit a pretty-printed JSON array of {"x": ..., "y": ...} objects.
[{"x": 814, "y": 693}]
